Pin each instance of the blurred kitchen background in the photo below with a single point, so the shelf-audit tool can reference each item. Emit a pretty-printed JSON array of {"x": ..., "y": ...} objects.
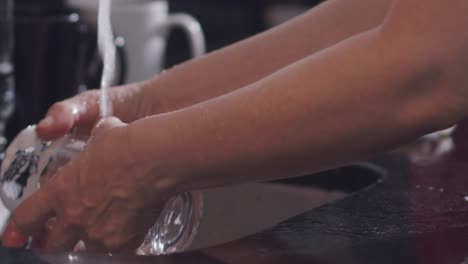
[{"x": 227, "y": 21}]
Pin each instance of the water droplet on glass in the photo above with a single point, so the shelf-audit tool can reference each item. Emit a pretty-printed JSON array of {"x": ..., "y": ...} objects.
[
  {"x": 441, "y": 190},
  {"x": 431, "y": 188},
  {"x": 418, "y": 186},
  {"x": 466, "y": 198}
]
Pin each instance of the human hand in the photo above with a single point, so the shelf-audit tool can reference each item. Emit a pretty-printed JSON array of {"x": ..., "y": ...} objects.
[
  {"x": 128, "y": 103},
  {"x": 103, "y": 196}
]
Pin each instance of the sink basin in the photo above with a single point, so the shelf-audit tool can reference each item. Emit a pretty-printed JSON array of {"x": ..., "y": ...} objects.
[{"x": 234, "y": 212}]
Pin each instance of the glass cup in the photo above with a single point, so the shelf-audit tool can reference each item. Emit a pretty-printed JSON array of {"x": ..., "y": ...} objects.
[{"x": 29, "y": 162}]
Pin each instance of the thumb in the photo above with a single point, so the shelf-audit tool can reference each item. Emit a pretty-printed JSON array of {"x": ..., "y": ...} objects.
[{"x": 106, "y": 124}]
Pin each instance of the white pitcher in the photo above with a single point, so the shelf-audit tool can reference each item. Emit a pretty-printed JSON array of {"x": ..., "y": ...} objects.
[{"x": 144, "y": 24}]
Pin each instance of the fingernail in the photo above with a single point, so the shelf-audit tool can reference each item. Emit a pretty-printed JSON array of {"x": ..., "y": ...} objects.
[{"x": 48, "y": 121}]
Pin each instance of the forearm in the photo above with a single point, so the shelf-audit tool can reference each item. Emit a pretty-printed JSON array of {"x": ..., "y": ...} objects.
[
  {"x": 248, "y": 61},
  {"x": 346, "y": 103}
]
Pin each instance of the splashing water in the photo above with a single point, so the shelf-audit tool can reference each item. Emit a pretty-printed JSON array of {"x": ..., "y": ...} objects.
[{"x": 108, "y": 52}]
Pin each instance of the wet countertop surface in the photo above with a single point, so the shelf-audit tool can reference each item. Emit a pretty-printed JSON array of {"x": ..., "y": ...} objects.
[{"x": 416, "y": 213}]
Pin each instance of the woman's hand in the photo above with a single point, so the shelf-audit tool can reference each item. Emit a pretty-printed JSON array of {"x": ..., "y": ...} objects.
[
  {"x": 129, "y": 103},
  {"x": 104, "y": 196}
]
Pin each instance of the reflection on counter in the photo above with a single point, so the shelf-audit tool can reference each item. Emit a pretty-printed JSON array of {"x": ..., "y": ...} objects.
[{"x": 234, "y": 212}]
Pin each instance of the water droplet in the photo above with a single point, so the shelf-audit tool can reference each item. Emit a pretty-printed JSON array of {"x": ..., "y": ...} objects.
[
  {"x": 431, "y": 188},
  {"x": 466, "y": 198},
  {"x": 119, "y": 41},
  {"x": 75, "y": 111},
  {"x": 441, "y": 190},
  {"x": 418, "y": 186}
]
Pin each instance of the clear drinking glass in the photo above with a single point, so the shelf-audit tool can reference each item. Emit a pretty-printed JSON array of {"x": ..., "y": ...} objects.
[{"x": 30, "y": 161}]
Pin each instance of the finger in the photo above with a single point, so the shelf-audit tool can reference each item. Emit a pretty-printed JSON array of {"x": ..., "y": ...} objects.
[
  {"x": 62, "y": 238},
  {"x": 32, "y": 214},
  {"x": 13, "y": 237},
  {"x": 106, "y": 124},
  {"x": 79, "y": 110}
]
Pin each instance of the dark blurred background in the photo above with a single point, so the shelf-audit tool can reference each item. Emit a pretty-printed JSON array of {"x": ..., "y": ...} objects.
[{"x": 228, "y": 21}]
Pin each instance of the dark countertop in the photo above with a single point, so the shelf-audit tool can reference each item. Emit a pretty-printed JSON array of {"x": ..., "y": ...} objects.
[{"x": 417, "y": 213}]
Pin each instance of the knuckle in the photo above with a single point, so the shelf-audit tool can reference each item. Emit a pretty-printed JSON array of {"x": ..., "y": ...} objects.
[
  {"x": 89, "y": 96},
  {"x": 58, "y": 107},
  {"x": 90, "y": 93}
]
